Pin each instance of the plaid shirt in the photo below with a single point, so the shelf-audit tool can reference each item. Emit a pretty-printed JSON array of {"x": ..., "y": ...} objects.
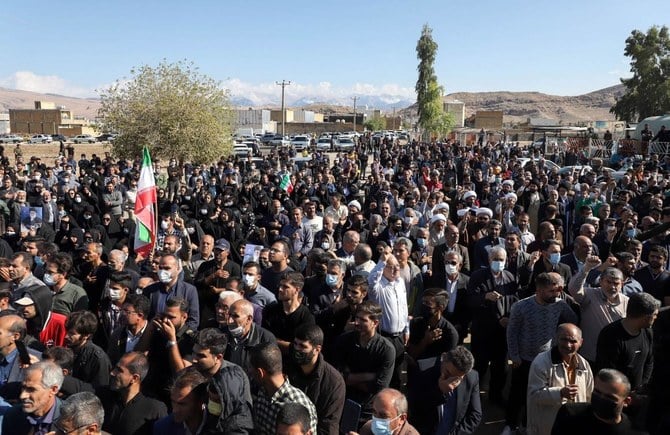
[{"x": 266, "y": 408}]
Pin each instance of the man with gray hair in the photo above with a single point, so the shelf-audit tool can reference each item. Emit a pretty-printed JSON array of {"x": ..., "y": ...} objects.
[
  {"x": 40, "y": 406},
  {"x": 81, "y": 411},
  {"x": 389, "y": 411},
  {"x": 490, "y": 294},
  {"x": 117, "y": 263},
  {"x": 600, "y": 306}
]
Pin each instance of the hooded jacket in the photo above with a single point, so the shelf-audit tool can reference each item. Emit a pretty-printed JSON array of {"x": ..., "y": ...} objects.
[
  {"x": 234, "y": 391},
  {"x": 47, "y": 326}
]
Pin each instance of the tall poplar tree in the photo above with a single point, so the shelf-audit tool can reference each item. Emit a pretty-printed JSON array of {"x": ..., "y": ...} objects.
[{"x": 432, "y": 118}]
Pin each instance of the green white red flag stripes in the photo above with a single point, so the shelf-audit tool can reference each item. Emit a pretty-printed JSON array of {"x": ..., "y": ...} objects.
[
  {"x": 145, "y": 229},
  {"x": 286, "y": 184}
]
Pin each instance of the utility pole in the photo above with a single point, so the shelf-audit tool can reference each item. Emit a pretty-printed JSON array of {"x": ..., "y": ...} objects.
[
  {"x": 355, "y": 99},
  {"x": 283, "y": 84}
]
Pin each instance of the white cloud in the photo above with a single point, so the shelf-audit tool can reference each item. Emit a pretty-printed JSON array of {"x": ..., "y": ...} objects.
[
  {"x": 265, "y": 93},
  {"x": 270, "y": 93},
  {"x": 29, "y": 81}
]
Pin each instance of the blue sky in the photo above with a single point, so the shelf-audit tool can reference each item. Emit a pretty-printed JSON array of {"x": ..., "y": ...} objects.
[{"x": 336, "y": 48}]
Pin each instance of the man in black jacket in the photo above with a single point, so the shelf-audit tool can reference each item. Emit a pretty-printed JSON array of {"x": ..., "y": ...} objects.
[
  {"x": 626, "y": 344},
  {"x": 229, "y": 379},
  {"x": 91, "y": 363},
  {"x": 321, "y": 382},
  {"x": 127, "y": 410},
  {"x": 604, "y": 415},
  {"x": 243, "y": 334},
  {"x": 448, "y": 400}
]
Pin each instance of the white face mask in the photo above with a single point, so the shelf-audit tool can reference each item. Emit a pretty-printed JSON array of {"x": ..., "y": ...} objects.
[
  {"x": 236, "y": 332},
  {"x": 450, "y": 269},
  {"x": 249, "y": 280},
  {"x": 164, "y": 276},
  {"x": 164, "y": 225},
  {"x": 115, "y": 294}
]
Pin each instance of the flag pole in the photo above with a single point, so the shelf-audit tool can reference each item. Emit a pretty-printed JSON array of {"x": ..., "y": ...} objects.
[{"x": 155, "y": 209}]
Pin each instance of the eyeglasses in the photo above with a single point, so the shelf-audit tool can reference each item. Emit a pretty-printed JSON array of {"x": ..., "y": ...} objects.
[
  {"x": 128, "y": 312},
  {"x": 59, "y": 430}
]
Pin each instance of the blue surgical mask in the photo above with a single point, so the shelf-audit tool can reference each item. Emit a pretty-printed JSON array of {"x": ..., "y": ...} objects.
[
  {"x": 497, "y": 266},
  {"x": 331, "y": 280},
  {"x": 38, "y": 260},
  {"x": 381, "y": 426},
  {"x": 48, "y": 279},
  {"x": 555, "y": 258},
  {"x": 421, "y": 242},
  {"x": 631, "y": 233}
]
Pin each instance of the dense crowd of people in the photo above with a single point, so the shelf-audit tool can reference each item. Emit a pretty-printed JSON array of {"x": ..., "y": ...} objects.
[{"x": 382, "y": 291}]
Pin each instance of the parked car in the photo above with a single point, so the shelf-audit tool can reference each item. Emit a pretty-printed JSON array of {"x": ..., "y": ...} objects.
[
  {"x": 300, "y": 143},
  {"x": 83, "y": 138},
  {"x": 255, "y": 149},
  {"x": 241, "y": 150},
  {"x": 323, "y": 144},
  {"x": 280, "y": 141},
  {"x": 344, "y": 144},
  {"x": 41, "y": 138},
  {"x": 106, "y": 137},
  {"x": 548, "y": 164},
  {"x": 267, "y": 138},
  {"x": 11, "y": 138},
  {"x": 58, "y": 137}
]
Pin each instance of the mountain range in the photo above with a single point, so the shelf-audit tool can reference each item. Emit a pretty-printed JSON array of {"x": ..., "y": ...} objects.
[{"x": 516, "y": 106}]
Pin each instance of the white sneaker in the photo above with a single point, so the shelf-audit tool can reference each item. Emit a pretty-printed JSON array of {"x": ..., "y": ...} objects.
[{"x": 507, "y": 431}]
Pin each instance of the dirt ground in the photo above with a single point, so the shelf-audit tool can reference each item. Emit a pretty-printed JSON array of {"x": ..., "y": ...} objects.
[{"x": 49, "y": 152}]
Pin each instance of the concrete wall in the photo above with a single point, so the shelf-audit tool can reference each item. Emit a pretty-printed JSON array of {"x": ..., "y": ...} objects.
[
  {"x": 457, "y": 109},
  {"x": 489, "y": 119},
  {"x": 275, "y": 115},
  {"x": 4, "y": 123},
  {"x": 319, "y": 127}
]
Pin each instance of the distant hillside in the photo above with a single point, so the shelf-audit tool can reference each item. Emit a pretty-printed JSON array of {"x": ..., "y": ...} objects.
[
  {"x": 13, "y": 99},
  {"x": 519, "y": 106}
]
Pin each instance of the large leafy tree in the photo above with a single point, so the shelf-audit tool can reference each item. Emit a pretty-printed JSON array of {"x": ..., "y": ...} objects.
[
  {"x": 428, "y": 92},
  {"x": 375, "y": 123},
  {"x": 172, "y": 108},
  {"x": 648, "y": 90}
]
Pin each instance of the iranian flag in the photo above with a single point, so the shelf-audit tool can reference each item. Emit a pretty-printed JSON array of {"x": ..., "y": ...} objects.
[
  {"x": 145, "y": 229},
  {"x": 286, "y": 184}
]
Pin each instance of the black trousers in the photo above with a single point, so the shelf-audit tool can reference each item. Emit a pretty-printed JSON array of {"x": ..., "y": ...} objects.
[
  {"x": 489, "y": 347},
  {"x": 516, "y": 403},
  {"x": 399, "y": 379}
]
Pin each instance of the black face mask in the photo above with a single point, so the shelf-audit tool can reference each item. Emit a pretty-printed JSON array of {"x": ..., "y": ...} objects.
[
  {"x": 603, "y": 407},
  {"x": 300, "y": 358},
  {"x": 426, "y": 312}
]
